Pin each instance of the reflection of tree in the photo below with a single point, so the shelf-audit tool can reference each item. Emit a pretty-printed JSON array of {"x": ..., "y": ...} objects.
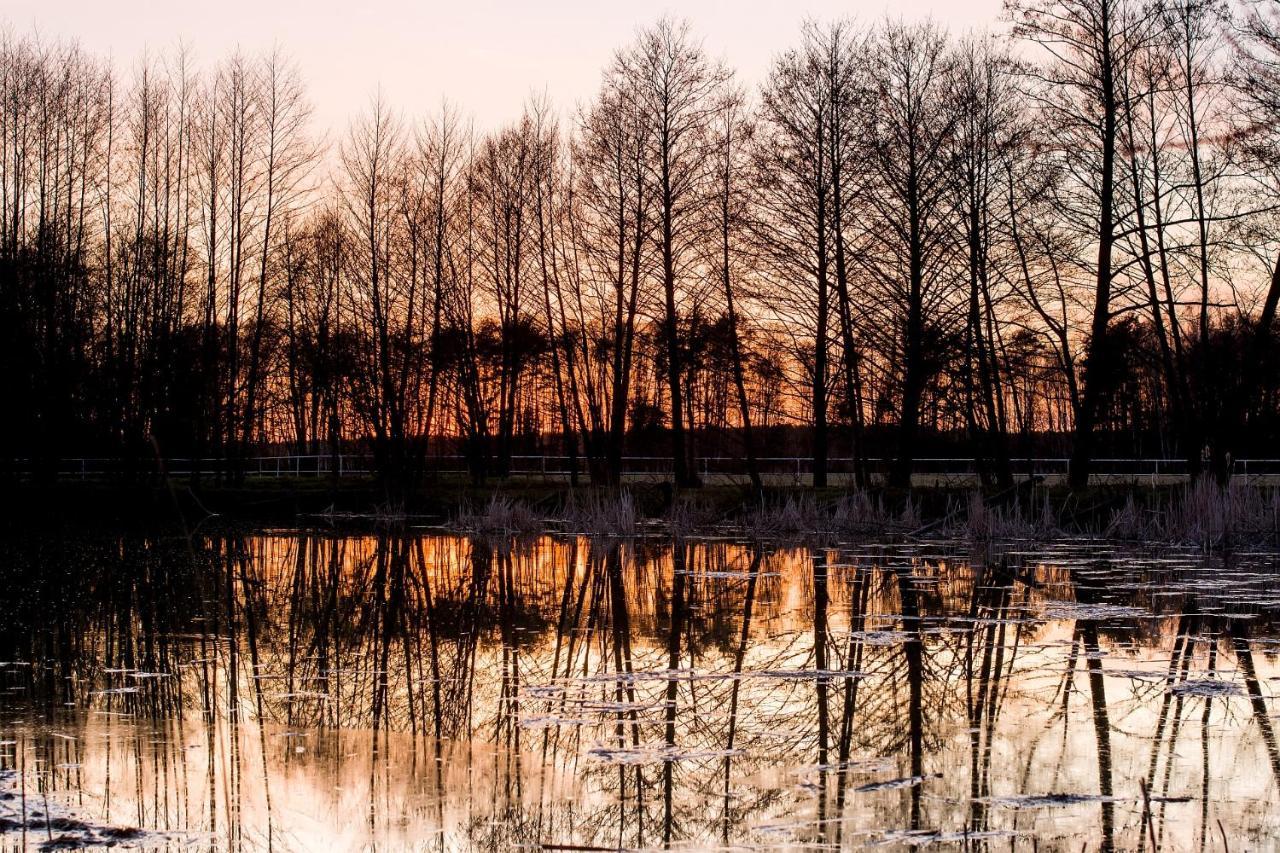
[
  {"x": 604, "y": 692},
  {"x": 1257, "y": 703},
  {"x": 988, "y": 660}
]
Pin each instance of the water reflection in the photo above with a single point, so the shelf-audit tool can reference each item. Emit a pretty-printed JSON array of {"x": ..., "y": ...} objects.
[{"x": 307, "y": 690}]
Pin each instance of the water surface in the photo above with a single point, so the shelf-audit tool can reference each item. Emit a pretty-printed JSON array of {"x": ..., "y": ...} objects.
[{"x": 306, "y": 690}]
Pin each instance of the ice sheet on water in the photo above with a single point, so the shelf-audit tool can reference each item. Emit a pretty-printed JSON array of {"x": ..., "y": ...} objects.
[
  {"x": 617, "y": 707},
  {"x": 542, "y": 691},
  {"x": 54, "y": 826},
  {"x": 656, "y": 754},
  {"x": 805, "y": 674},
  {"x": 894, "y": 784},
  {"x": 1139, "y": 674},
  {"x": 921, "y": 837},
  {"x": 1207, "y": 688},
  {"x": 1044, "y": 801},
  {"x": 1068, "y": 610},
  {"x": 882, "y": 638},
  {"x": 860, "y": 765},
  {"x": 650, "y": 675},
  {"x": 550, "y": 722}
]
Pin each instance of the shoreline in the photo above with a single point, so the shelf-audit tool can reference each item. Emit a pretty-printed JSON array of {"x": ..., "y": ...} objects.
[{"x": 1202, "y": 513}]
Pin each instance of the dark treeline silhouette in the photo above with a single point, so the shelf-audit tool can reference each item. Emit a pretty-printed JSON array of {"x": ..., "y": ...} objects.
[{"x": 900, "y": 239}]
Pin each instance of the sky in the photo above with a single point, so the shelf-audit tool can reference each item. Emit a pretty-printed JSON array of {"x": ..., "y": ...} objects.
[{"x": 486, "y": 56}]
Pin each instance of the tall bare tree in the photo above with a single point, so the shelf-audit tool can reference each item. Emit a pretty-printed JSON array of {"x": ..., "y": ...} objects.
[
  {"x": 908, "y": 239},
  {"x": 1089, "y": 43},
  {"x": 675, "y": 86}
]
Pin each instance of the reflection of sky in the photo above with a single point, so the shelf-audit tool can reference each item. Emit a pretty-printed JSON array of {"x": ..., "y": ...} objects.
[{"x": 544, "y": 757}]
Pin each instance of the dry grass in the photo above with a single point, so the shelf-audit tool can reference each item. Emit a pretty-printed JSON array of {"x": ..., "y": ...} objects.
[
  {"x": 602, "y": 515},
  {"x": 986, "y": 523},
  {"x": 500, "y": 515},
  {"x": 1204, "y": 514},
  {"x": 855, "y": 513},
  {"x": 1212, "y": 515}
]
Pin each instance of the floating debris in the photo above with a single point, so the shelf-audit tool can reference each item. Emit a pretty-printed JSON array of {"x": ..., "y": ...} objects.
[
  {"x": 550, "y": 722},
  {"x": 895, "y": 784},
  {"x": 1208, "y": 688},
  {"x": 1044, "y": 801},
  {"x": 921, "y": 837},
  {"x": 659, "y": 754},
  {"x": 46, "y": 824},
  {"x": 1072, "y": 610},
  {"x": 807, "y": 674},
  {"x": 883, "y": 638}
]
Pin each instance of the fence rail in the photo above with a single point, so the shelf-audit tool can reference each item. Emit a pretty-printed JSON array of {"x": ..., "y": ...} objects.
[{"x": 552, "y": 466}]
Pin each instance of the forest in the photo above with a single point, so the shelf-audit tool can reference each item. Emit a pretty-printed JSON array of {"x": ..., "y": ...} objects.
[{"x": 1060, "y": 235}]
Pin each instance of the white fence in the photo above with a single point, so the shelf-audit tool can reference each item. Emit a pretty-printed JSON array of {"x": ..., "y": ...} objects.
[{"x": 655, "y": 467}]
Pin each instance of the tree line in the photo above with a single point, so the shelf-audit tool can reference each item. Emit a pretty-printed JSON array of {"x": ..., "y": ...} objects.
[{"x": 899, "y": 237}]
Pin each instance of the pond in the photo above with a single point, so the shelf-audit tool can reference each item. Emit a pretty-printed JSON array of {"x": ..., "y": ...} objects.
[{"x": 313, "y": 689}]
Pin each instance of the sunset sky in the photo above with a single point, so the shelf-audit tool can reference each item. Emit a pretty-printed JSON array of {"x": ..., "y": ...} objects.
[{"x": 487, "y": 56}]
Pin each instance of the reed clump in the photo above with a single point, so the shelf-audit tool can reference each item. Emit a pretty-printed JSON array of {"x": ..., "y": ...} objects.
[
  {"x": 1213, "y": 515},
  {"x": 501, "y": 515},
  {"x": 852, "y": 514},
  {"x": 602, "y": 514},
  {"x": 986, "y": 523},
  {"x": 1205, "y": 513},
  {"x": 1131, "y": 522}
]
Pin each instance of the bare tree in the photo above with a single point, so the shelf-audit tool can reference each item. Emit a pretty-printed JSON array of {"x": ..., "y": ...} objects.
[
  {"x": 675, "y": 86},
  {"x": 990, "y": 135},
  {"x": 730, "y": 133},
  {"x": 908, "y": 238},
  {"x": 286, "y": 160},
  {"x": 440, "y": 157},
  {"x": 1088, "y": 43},
  {"x": 792, "y": 222},
  {"x": 611, "y": 230},
  {"x": 385, "y": 302}
]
